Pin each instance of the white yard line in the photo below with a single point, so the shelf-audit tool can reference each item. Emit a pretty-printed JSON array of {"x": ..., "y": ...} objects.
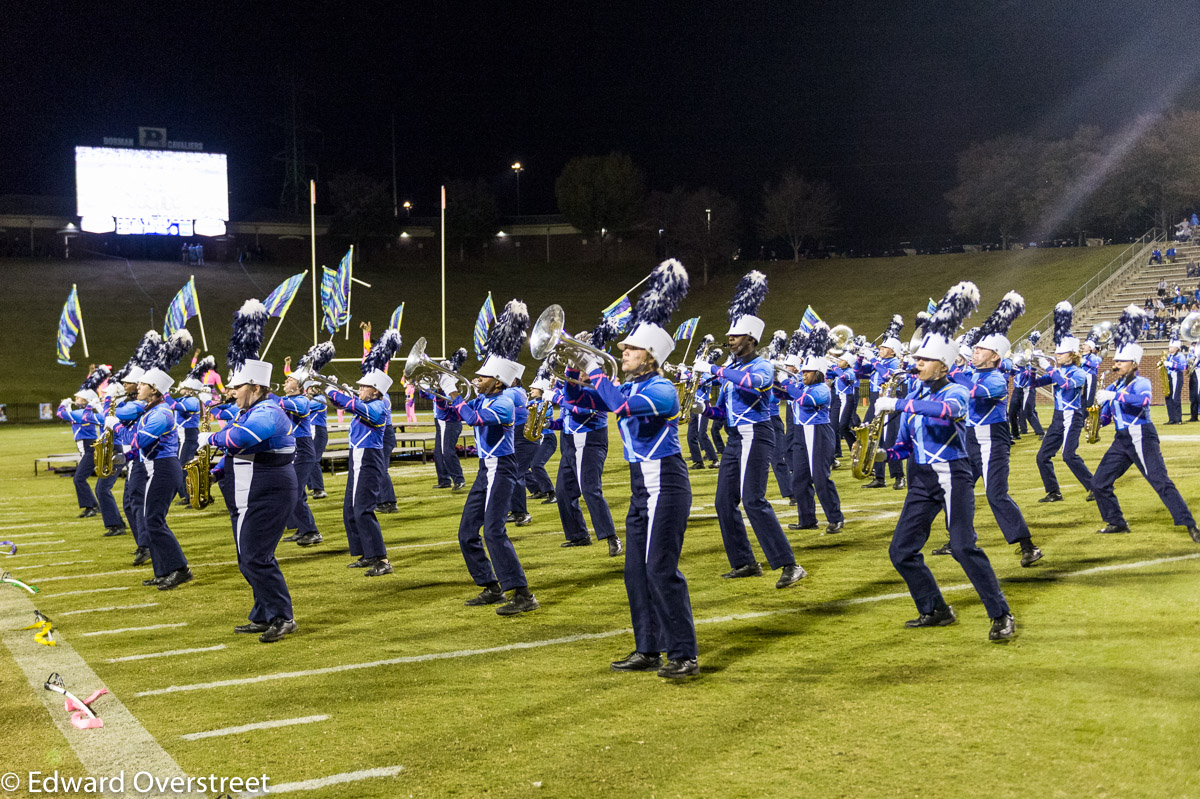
[
  {"x": 262, "y": 725},
  {"x": 103, "y": 610},
  {"x": 134, "y": 629},
  {"x": 335, "y": 779},
  {"x": 41, "y": 554},
  {"x": 40, "y": 543},
  {"x": 48, "y": 565},
  {"x": 570, "y": 639},
  {"x": 86, "y": 591},
  {"x": 166, "y": 654}
]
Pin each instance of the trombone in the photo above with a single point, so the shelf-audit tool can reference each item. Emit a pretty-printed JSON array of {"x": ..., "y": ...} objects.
[
  {"x": 549, "y": 337},
  {"x": 426, "y": 374}
]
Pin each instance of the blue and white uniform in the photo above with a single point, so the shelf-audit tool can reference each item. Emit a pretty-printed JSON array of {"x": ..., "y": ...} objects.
[
  {"x": 1177, "y": 366},
  {"x": 1029, "y": 411},
  {"x": 932, "y": 437},
  {"x": 297, "y": 410},
  {"x": 368, "y": 471},
  {"x": 581, "y": 467},
  {"x": 989, "y": 442},
  {"x": 445, "y": 443},
  {"x": 1135, "y": 443},
  {"x": 261, "y": 451},
  {"x": 489, "y": 500},
  {"x": 1090, "y": 364},
  {"x": 879, "y": 372},
  {"x": 538, "y": 479},
  {"x": 1069, "y": 416},
  {"x": 781, "y": 463},
  {"x": 84, "y": 431},
  {"x": 524, "y": 449},
  {"x": 156, "y": 440},
  {"x": 318, "y": 410},
  {"x": 133, "y": 498},
  {"x": 813, "y": 452},
  {"x": 187, "y": 412},
  {"x": 845, "y": 396}
]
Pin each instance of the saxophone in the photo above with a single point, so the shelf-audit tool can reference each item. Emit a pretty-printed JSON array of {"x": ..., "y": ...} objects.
[
  {"x": 103, "y": 450},
  {"x": 537, "y": 421},
  {"x": 1091, "y": 427},
  {"x": 862, "y": 454},
  {"x": 687, "y": 392},
  {"x": 1164, "y": 375},
  {"x": 197, "y": 472}
]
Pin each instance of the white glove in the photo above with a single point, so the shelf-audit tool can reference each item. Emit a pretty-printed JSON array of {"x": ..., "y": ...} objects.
[
  {"x": 885, "y": 405},
  {"x": 1104, "y": 395},
  {"x": 203, "y": 439},
  {"x": 66, "y": 403},
  {"x": 97, "y": 406},
  {"x": 110, "y": 422},
  {"x": 589, "y": 364},
  {"x": 1045, "y": 364},
  {"x": 447, "y": 384},
  {"x": 205, "y": 396},
  {"x": 330, "y": 390},
  {"x": 702, "y": 367}
]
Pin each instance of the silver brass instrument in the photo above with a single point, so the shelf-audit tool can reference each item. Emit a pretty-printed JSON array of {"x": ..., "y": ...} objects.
[
  {"x": 862, "y": 454},
  {"x": 197, "y": 473},
  {"x": 549, "y": 336},
  {"x": 1101, "y": 333},
  {"x": 1189, "y": 331},
  {"x": 332, "y": 383},
  {"x": 687, "y": 396},
  {"x": 426, "y": 374},
  {"x": 842, "y": 335}
]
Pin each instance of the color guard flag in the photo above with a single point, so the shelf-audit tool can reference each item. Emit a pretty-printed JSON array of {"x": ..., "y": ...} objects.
[
  {"x": 68, "y": 327},
  {"x": 687, "y": 329},
  {"x": 279, "y": 300},
  {"x": 483, "y": 323},
  {"x": 809, "y": 321},
  {"x": 621, "y": 311},
  {"x": 181, "y": 309},
  {"x": 335, "y": 293},
  {"x": 397, "y": 316},
  {"x": 931, "y": 307},
  {"x": 329, "y": 311}
]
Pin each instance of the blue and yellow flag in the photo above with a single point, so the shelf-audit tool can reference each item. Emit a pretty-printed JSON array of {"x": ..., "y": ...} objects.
[
  {"x": 68, "y": 327},
  {"x": 687, "y": 329},
  {"x": 279, "y": 300},
  {"x": 483, "y": 323},
  {"x": 335, "y": 293},
  {"x": 809, "y": 321},
  {"x": 397, "y": 317},
  {"x": 931, "y": 307},
  {"x": 181, "y": 309},
  {"x": 620, "y": 311}
]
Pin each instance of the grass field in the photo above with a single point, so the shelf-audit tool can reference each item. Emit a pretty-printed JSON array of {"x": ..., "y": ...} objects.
[
  {"x": 813, "y": 691},
  {"x": 119, "y": 302}
]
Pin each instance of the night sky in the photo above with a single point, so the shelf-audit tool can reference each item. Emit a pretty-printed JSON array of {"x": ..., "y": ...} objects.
[{"x": 874, "y": 97}]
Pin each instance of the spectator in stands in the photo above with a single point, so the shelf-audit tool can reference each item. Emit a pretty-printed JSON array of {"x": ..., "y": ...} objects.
[
  {"x": 1156, "y": 256},
  {"x": 1158, "y": 304},
  {"x": 1149, "y": 304},
  {"x": 1170, "y": 255},
  {"x": 1162, "y": 284},
  {"x": 1178, "y": 300},
  {"x": 1146, "y": 332},
  {"x": 1192, "y": 269}
]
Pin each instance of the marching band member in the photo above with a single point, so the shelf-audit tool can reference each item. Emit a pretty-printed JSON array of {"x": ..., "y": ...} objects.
[
  {"x": 156, "y": 440},
  {"x": 781, "y": 462},
  {"x": 1193, "y": 356},
  {"x": 1177, "y": 366},
  {"x": 368, "y": 468},
  {"x": 584, "y": 451},
  {"x": 80, "y": 412},
  {"x": 1029, "y": 412},
  {"x": 491, "y": 413},
  {"x": 813, "y": 451},
  {"x": 933, "y": 438},
  {"x": 1069, "y": 415},
  {"x": 700, "y": 446},
  {"x": 744, "y": 406},
  {"x": 539, "y": 396},
  {"x": 1126, "y": 404},
  {"x": 449, "y": 429},
  {"x": 318, "y": 419},
  {"x": 524, "y": 451},
  {"x": 387, "y": 491},
  {"x": 121, "y": 399},
  {"x": 297, "y": 407},
  {"x": 845, "y": 388},
  {"x": 1089, "y": 362},
  {"x": 647, "y": 409},
  {"x": 188, "y": 413},
  {"x": 880, "y": 369},
  {"x": 260, "y": 449}
]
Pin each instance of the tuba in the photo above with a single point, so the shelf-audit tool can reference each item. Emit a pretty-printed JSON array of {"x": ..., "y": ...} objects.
[
  {"x": 103, "y": 451},
  {"x": 537, "y": 421},
  {"x": 862, "y": 454},
  {"x": 197, "y": 473},
  {"x": 687, "y": 395},
  {"x": 548, "y": 336},
  {"x": 426, "y": 374}
]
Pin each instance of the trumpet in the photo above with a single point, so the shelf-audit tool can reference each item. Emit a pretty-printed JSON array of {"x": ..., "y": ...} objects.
[
  {"x": 426, "y": 374},
  {"x": 332, "y": 383},
  {"x": 548, "y": 336}
]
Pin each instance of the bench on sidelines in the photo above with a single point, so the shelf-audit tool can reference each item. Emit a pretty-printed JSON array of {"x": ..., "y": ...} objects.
[
  {"x": 71, "y": 458},
  {"x": 338, "y": 450}
]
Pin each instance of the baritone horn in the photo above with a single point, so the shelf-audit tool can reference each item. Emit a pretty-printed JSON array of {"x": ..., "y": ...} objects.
[
  {"x": 426, "y": 374},
  {"x": 842, "y": 335},
  {"x": 549, "y": 336}
]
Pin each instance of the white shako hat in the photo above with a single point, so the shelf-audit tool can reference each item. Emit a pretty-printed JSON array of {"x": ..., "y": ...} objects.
[
  {"x": 993, "y": 333},
  {"x": 665, "y": 289},
  {"x": 252, "y": 372},
  {"x": 160, "y": 380},
  {"x": 938, "y": 343},
  {"x": 376, "y": 379},
  {"x": 504, "y": 342},
  {"x": 1064, "y": 317},
  {"x": 195, "y": 378},
  {"x": 1125, "y": 335},
  {"x": 743, "y": 308}
]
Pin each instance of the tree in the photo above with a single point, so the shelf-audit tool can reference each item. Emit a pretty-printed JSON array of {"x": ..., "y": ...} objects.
[
  {"x": 795, "y": 209},
  {"x": 362, "y": 205},
  {"x": 995, "y": 182},
  {"x": 601, "y": 195},
  {"x": 1158, "y": 176},
  {"x": 1066, "y": 175},
  {"x": 700, "y": 225},
  {"x": 471, "y": 214}
]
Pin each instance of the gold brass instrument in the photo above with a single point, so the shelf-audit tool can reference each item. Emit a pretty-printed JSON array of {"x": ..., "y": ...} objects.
[
  {"x": 1164, "y": 375},
  {"x": 197, "y": 473},
  {"x": 549, "y": 336},
  {"x": 102, "y": 449},
  {"x": 1091, "y": 425},
  {"x": 862, "y": 454},
  {"x": 537, "y": 421},
  {"x": 1189, "y": 331},
  {"x": 687, "y": 395},
  {"x": 842, "y": 335},
  {"x": 426, "y": 373}
]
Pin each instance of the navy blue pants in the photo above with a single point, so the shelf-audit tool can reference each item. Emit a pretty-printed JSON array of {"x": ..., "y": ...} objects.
[
  {"x": 932, "y": 489},
  {"x": 780, "y": 463},
  {"x": 387, "y": 492},
  {"x": 654, "y": 527},
  {"x": 104, "y": 495},
  {"x": 487, "y": 506},
  {"x": 1194, "y": 394},
  {"x": 1029, "y": 413},
  {"x": 367, "y": 473},
  {"x": 700, "y": 448},
  {"x": 162, "y": 486},
  {"x": 133, "y": 499},
  {"x": 299, "y": 517},
  {"x": 1137, "y": 446},
  {"x": 848, "y": 419},
  {"x": 445, "y": 452},
  {"x": 812, "y": 460},
  {"x": 316, "y": 478},
  {"x": 538, "y": 477},
  {"x": 989, "y": 446},
  {"x": 1063, "y": 434},
  {"x": 580, "y": 470},
  {"x": 85, "y": 469},
  {"x": 188, "y": 444},
  {"x": 742, "y": 480},
  {"x": 718, "y": 441},
  {"x": 1016, "y": 401},
  {"x": 264, "y": 496},
  {"x": 1174, "y": 400},
  {"x": 525, "y": 452},
  {"x": 890, "y": 431},
  {"x": 835, "y": 415}
]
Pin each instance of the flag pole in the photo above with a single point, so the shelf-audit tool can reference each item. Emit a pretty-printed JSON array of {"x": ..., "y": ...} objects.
[
  {"x": 82, "y": 332},
  {"x": 196, "y": 298},
  {"x": 276, "y": 331},
  {"x": 691, "y": 338},
  {"x": 443, "y": 238},
  {"x": 312, "y": 223},
  {"x": 349, "y": 291}
]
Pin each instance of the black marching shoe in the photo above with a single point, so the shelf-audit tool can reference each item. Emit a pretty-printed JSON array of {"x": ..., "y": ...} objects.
[
  {"x": 1030, "y": 556},
  {"x": 615, "y": 547},
  {"x": 1091, "y": 497},
  {"x": 537, "y": 494},
  {"x": 142, "y": 555},
  {"x": 1194, "y": 532},
  {"x": 252, "y": 627},
  {"x": 680, "y": 668},
  {"x": 386, "y": 507},
  {"x": 1003, "y": 628},
  {"x": 941, "y": 617},
  {"x": 153, "y": 581},
  {"x": 837, "y": 464},
  {"x": 876, "y": 483},
  {"x": 380, "y": 567},
  {"x": 183, "y": 503},
  {"x": 318, "y": 495},
  {"x": 835, "y": 527},
  {"x": 520, "y": 603},
  {"x": 176, "y": 579},
  {"x": 791, "y": 501},
  {"x": 293, "y": 537},
  {"x": 749, "y": 570},
  {"x": 114, "y": 530},
  {"x": 441, "y": 485},
  {"x": 308, "y": 539},
  {"x": 490, "y": 595},
  {"x": 944, "y": 549},
  {"x": 638, "y": 661},
  {"x": 714, "y": 464},
  {"x": 1053, "y": 496},
  {"x": 511, "y": 517},
  {"x": 1109, "y": 529},
  {"x": 900, "y": 484},
  {"x": 361, "y": 563},
  {"x": 798, "y": 526},
  {"x": 278, "y": 629},
  {"x": 695, "y": 465},
  {"x": 459, "y": 487},
  {"x": 549, "y": 498},
  {"x": 86, "y": 513},
  {"x": 790, "y": 575},
  {"x": 577, "y": 542},
  {"x": 523, "y": 520}
]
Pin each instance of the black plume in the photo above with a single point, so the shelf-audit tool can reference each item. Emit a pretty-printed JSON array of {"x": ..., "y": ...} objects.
[
  {"x": 796, "y": 342},
  {"x": 382, "y": 352},
  {"x": 957, "y": 305},
  {"x": 1064, "y": 317},
  {"x": 894, "y": 327},
  {"x": 921, "y": 320},
  {"x": 819, "y": 341},
  {"x": 971, "y": 337},
  {"x": 249, "y": 321},
  {"x": 458, "y": 358},
  {"x": 505, "y": 338},
  {"x": 97, "y": 376},
  {"x": 778, "y": 346},
  {"x": 318, "y": 356},
  {"x": 1128, "y": 328},
  {"x": 665, "y": 290},
  {"x": 174, "y": 349},
  {"x": 544, "y": 372},
  {"x": 606, "y": 332},
  {"x": 202, "y": 368},
  {"x": 1010, "y": 307},
  {"x": 750, "y": 292},
  {"x": 1035, "y": 336}
]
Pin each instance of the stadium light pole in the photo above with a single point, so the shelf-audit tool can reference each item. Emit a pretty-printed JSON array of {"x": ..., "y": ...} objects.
[
  {"x": 518, "y": 169},
  {"x": 312, "y": 222}
]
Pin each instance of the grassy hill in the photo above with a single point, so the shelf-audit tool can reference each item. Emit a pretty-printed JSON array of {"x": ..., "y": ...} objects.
[{"x": 121, "y": 301}]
